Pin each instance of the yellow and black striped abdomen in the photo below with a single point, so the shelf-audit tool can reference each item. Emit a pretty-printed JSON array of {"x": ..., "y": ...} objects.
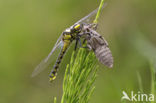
[{"x": 66, "y": 42}]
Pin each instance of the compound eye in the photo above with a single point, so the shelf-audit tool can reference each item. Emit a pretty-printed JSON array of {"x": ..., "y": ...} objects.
[{"x": 77, "y": 27}]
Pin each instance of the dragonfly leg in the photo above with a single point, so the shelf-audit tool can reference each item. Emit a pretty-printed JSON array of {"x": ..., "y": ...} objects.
[
  {"x": 84, "y": 41},
  {"x": 76, "y": 44},
  {"x": 77, "y": 41},
  {"x": 80, "y": 42}
]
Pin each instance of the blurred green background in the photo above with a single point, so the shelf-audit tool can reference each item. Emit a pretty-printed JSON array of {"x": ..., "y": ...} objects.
[{"x": 29, "y": 29}]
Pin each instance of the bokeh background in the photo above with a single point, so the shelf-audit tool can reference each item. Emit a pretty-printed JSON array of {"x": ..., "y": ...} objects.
[{"x": 29, "y": 29}]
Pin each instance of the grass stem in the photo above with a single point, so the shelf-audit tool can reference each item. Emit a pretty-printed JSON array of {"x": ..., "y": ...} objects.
[{"x": 98, "y": 12}]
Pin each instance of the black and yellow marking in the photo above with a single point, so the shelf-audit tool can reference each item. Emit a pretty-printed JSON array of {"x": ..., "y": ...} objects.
[
  {"x": 67, "y": 39},
  {"x": 77, "y": 27}
]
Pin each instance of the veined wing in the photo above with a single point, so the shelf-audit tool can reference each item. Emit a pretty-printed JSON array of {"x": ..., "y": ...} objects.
[
  {"x": 90, "y": 15},
  {"x": 55, "y": 46},
  {"x": 46, "y": 62}
]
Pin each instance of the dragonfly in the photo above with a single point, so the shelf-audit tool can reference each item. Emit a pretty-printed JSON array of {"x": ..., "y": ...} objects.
[{"x": 79, "y": 30}]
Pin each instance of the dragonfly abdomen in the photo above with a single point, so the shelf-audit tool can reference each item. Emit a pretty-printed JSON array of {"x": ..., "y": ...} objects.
[{"x": 53, "y": 73}]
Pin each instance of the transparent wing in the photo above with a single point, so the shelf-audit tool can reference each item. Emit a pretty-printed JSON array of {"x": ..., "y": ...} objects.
[
  {"x": 55, "y": 46},
  {"x": 48, "y": 60},
  {"x": 89, "y": 15}
]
